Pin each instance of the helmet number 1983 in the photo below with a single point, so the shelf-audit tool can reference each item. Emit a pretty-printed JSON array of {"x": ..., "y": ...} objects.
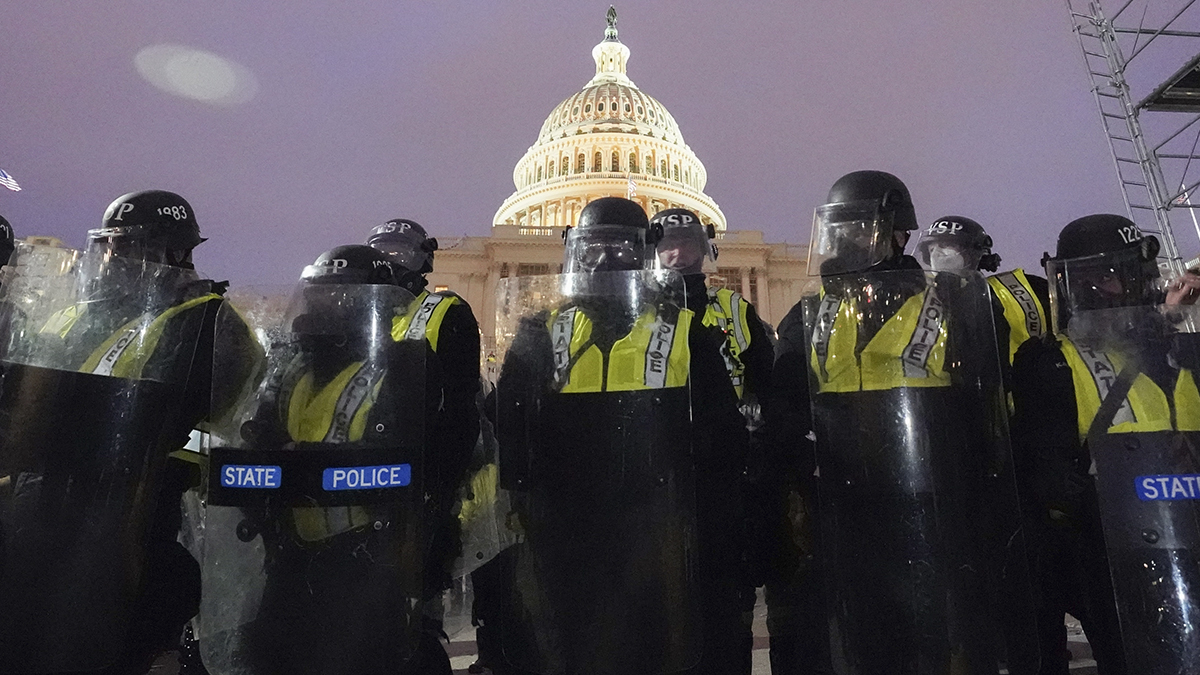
[{"x": 176, "y": 212}]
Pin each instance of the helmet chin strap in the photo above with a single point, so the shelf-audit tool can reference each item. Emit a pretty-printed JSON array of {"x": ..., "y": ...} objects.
[{"x": 413, "y": 282}]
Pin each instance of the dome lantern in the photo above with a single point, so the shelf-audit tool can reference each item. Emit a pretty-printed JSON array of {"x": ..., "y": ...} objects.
[{"x": 611, "y": 56}]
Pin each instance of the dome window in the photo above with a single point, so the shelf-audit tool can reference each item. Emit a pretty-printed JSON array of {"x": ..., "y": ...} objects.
[
  {"x": 587, "y": 108},
  {"x": 640, "y": 110},
  {"x": 616, "y": 161},
  {"x": 633, "y": 165},
  {"x": 579, "y": 162},
  {"x": 627, "y": 108},
  {"x": 600, "y": 107},
  {"x": 576, "y": 111},
  {"x": 597, "y": 161}
]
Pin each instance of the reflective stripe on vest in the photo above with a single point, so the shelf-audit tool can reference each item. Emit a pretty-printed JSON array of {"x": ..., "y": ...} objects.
[
  {"x": 1022, "y": 310},
  {"x": 334, "y": 413},
  {"x": 653, "y": 355},
  {"x": 424, "y": 318},
  {"x": 1144, "y": 409},
  {"x": 127, "y": 351},
  {"x": 337, "y": 411},
  {"x": 728, "y": 310},
  {"x": 908, "y": 351}
]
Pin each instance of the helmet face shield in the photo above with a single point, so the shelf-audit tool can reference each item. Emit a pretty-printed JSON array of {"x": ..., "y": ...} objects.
[
  {"x": 605, "y": 248},
  {"x": 849, "y": 237},
  {"x": 405, "y": 252},
  {"x": 945, "y": 254},
  {"x": 683, "y": 249},
  {"x": 345, "y": 311},
  {"x": 121, "y": 245},
  {"x": 1110, "y": 280}
]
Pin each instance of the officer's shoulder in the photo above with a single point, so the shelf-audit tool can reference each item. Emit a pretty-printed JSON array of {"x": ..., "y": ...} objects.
[
  {"x": 202, "y": 287},
  {"x": 1046, "y": 350},
  {"x": 449, "y": 295}
]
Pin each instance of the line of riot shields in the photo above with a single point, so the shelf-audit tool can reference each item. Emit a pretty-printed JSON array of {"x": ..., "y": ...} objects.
[{"x": 311, "y": 522}]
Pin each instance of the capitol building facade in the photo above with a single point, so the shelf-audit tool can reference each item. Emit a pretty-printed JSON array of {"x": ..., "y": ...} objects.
[{"x": 609, "y": 139}]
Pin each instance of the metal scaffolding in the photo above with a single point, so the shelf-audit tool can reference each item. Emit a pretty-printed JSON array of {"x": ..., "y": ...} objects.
[{"x": 1143, "y": 63}]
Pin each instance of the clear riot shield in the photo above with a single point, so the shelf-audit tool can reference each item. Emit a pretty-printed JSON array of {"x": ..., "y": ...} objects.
[
  {"x": 1145, "y": 447},
  {"x": 912, "y": 453},
  {"x": 97, "y": 357},
  {"x": 314, "y": 533},
  {"x": 593, "y": 424}
]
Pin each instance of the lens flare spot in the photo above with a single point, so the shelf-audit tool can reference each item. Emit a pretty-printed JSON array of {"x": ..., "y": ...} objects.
[{"x": 196, "y": 74}]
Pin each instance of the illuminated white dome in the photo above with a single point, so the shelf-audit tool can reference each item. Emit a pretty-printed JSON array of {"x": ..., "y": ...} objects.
[{"x": 600, "y": 142}]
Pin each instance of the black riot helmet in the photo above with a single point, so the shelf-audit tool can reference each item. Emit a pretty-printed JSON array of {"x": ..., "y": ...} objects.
[
  {"x": 151, "y": 225},
  {"x": 1102, "y": 261},
  {"x": 853, "y": 230},
  {"x": 685, "y": 242},
  {"x": 956, "y": 244},
  {"x": 7, "y": 241},
  {"x": 612, "y": 236},
  {"x": 351, "y": 264},
  {"x": 409, "y": 248},
  {"x": 406, "y": 242}
]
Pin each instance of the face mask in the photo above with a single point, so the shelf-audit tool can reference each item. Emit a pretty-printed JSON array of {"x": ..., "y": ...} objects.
[{"x": 946, "y": 259}]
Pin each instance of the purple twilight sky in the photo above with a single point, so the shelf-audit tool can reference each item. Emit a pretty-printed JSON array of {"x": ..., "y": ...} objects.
[{"x": 371, "y": 110}]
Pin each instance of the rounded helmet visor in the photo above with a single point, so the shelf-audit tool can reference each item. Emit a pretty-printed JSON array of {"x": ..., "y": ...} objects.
[
  {"x": 1124, "y": 278},
  {"x": 605, "y": 248}
]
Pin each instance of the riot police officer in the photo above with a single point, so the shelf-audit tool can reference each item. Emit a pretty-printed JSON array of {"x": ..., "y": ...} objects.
[
  {"x": 1108, "y": 397},
  {"x": 446, "y": 322},
  {"x": 617, "y": 492},
  {"x": 748, "y": 352},
  {"x": 131, "y": 322},
  {"x": 956, "y": 244},
  {"x": 959, "y": 245},
  {"x": 900, "y": 407},
  {"x": 749, "y": 357},
  {"x": 334, "y": 548}
]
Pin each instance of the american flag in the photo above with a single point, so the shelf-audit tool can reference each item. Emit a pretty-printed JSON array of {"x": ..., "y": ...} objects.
[
  {"x": 8, "y": 181},
  {"x": 631, "y": 189}
]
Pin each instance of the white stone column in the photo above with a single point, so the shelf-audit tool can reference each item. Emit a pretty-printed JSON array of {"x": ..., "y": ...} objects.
[
  {"x": 746, "y": 283},
  {"x": 486, "y": 314},
  {"x": 763, "y": 306}
]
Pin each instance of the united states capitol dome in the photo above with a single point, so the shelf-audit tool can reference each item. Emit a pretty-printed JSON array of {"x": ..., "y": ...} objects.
[
  {"x": 610, "y": 102},
  {"x": 608, "y": 139}
]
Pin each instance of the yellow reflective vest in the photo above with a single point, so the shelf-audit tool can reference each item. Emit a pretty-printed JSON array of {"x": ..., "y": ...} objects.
[
  {"x": 908, "y": 351},
  {"x": 424, "y": 318},
  {"x": 654, "y": 354},
  {"x": 1146, "y": 408},
  {"x": 126, "y": 352},
  {"x": 1022, "y": 310},
  {"x": 335, "y": 412},
  {"x": 729, "y": 311}
]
